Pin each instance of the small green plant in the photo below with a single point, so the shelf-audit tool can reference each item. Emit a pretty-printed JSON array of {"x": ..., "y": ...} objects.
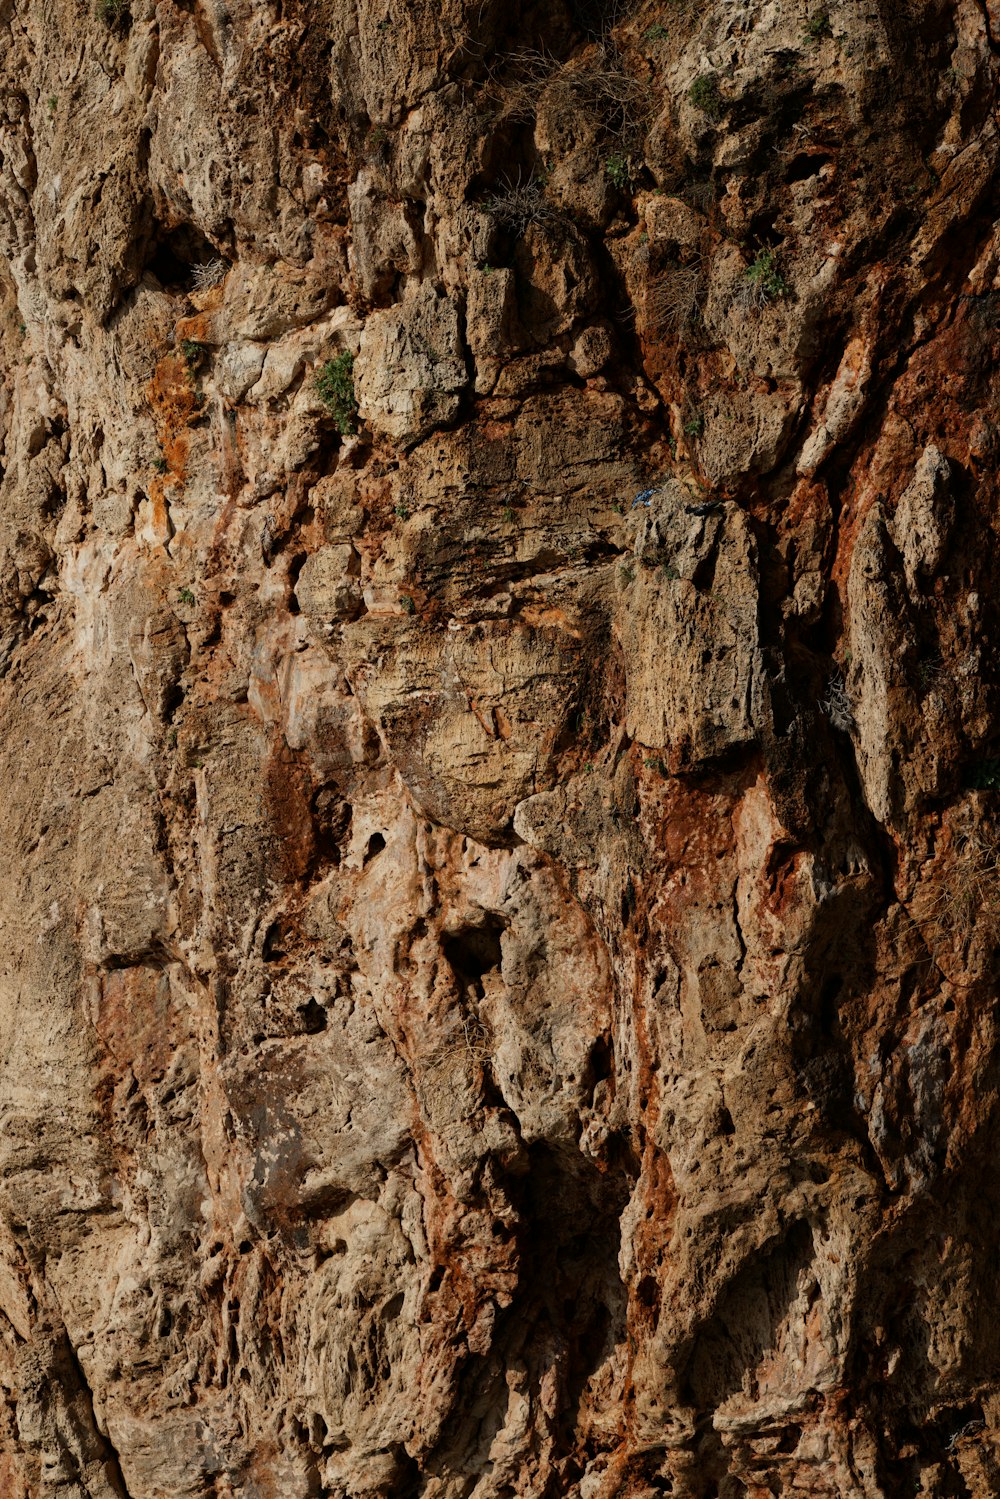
[
  {"x": 508, "y": 514},
  {"x": 695, "y": 424},
  {"x": 114, "y": 13},
  {"x": 655, "y": 763},
  {"x": 618, "y": 508},
  {"x": 589, "y": 768},
  {"x": 185, "y": 596},
  {"x": 408, "y": 605},
  {"x": 193, "y": 352},
  {"x": 335, "y": 384},
  {"x": 618, "y": 170},
  {"x": 704, "y": 95},
  {"x": 655, "y": 33},
  {"x": 819, "y": 26},
  {"x": 53, "y": 104},
  {"x": 626, "y": 573},
  {"x": 670, "y": 572},
  {"x": 402, "y": 511},
  {"x": 763, "y": 281},
  {"x": 160, "y": 464},
  {"x": 172, "y": 739}
]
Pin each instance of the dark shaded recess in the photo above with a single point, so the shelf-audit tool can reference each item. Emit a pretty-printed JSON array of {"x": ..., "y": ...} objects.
[
  {"x": 571, "y": 1304},
  {"x": 806, "y": 165},
  {"x": 275, "y": 945},
  {"x": 171, "y": 255},
  {"x": 313, "y": 1017},
  {"x": 332, "y": 816},
  {"x": 376, "y": 844},
  {"x": 731, "y": 1345},
  {"x": 917, "y": 1422},
  {"x": 473, "y": 952},
  {"x": 595, "y": 18}
]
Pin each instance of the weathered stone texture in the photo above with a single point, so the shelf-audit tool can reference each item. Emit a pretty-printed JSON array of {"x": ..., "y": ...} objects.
[{"x": 499, "y": 879}]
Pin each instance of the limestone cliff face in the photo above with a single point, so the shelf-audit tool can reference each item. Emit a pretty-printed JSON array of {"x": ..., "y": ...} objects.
[{"x": 499, "y": 975}]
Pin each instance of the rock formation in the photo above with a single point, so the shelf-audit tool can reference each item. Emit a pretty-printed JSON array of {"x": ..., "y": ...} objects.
[{"x": 500, "y": 744}]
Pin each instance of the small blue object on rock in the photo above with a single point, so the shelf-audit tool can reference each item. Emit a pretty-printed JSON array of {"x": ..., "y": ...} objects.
[{"x": 643, "y": 498}]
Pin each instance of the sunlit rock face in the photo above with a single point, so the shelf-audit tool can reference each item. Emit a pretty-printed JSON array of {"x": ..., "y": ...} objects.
[{"x": 499, "y": 750}]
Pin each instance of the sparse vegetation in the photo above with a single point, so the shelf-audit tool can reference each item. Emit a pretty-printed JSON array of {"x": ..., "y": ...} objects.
[
  {"x": 763, "y": 282},
  {"x": 402, "y": 511},
  {"x": 114, "y": 13},
  {"x": 518, "y": 204},
  {"x": 968, "y": 900},
  {"x": 409, "y": 607},
  {"x": 671, "y": 303},
  {"x": 185, "y": 596},
  {"x": 160, "y": 464},
  {"x": 837, "y": 706},
  {"x": 209, "y": 274},
  {"x": 378, "y": 143},
  {"x": 705, "y": 95},
  {"x": 819, "y": 26},
  {"x": 656, "y": 33},
  {"x": 603, "y": 88},
  {"x": 335, "y": 384},
  {"x": 694, "y": 425},
  {"x": 193, "y": 353},
  {"x": 618, "y": 170}
]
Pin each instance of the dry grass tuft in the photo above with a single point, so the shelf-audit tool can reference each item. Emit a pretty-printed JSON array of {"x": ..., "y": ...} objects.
[
  {"x": 968, "y": 902},
  {"x": 600, "y": 87},
  {"x": 672, "y": 297}
]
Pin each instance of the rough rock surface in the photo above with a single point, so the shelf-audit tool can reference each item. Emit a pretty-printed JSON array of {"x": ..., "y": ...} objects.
[{"x": 499, "y": 980}]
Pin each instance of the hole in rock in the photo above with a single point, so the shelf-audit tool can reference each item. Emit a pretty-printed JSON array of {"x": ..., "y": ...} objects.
[
  {"x": 376, "y": 844},
  {"x": 804, "y": 167},
  {"x": 313, "y": 1017},
  {"x": 174, "y": 254},
  {"x": 474, "y": 951},
  {"x": 273, "y": 949},
  {"x": 600, "y": 1060},
  {"x": 648, "y": 1292}
]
